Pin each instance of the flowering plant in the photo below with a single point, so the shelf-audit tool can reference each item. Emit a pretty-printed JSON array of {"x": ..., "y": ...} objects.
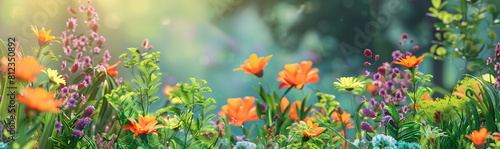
[{"x": 85, "y": 102}]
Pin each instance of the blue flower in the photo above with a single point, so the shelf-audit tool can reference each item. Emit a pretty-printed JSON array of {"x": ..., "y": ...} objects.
[
  {"x": 3, "y": 145},
  {"x": 383, "y": 142},
  {"x": 407, "y": 145},
  {"x": 245, "y": 144}
]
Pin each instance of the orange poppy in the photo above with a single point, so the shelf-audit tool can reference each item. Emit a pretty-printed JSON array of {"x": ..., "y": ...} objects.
[
  {"x": 167, "y": 89},
  {"x": 254, "y": 65},
  {"x": 410, "y": 61},
  {"x": 146, "y": 125},
  {"x": 28, "y": 69},
  {"x": 112, "y": 69},
  {"x": 42, "y": 35},
  {"x": 313, "y": 130},
  {"x": 239, "y": 110},
  {"x": 479, "y": 137},
  {"x": 297, "y": 75},
  {"x": 343, "y": 118},
  {"x": 39, "y": 100}
]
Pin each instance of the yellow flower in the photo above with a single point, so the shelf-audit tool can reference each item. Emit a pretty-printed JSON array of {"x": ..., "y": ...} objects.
[
  {"x": 42, "y": 35},
  {"x": 54, "y": 76},
  {"x": 490, "y": 78},
  {"x": 348, "y": 83}
]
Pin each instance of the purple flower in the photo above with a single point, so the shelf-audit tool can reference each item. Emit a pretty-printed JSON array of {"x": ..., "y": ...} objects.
[
  {"x": 71, "y": 24},
  {"x": 366, "y": 127},
  {"x": 385, "y": 120},
  {"x": 67, "y": 50},
  {"x": 372, "y": 102},
  {"x": 396, "y": 55},
  {"x": 77, "y": 133},
  {"x": 497, "y": 67},
  {"x": 423, "y": 123},
  {"x": 82, "y": 123},
  {"x": 376, "y": 76},
  {"x": 369, "y": 113},
  {"x": 363, "y": 98},
  {"x": 72, "y": 102},
  {"x": 382, "y": 92},
  {"x": 404, "y": 109},
  {"x": 395, "y": 70},
  {"x": 58, "y": 126},
  {"x": 84, "y": 99},
  {"x": 88, "y": 111},
  {"x": 399, "y": 95},
  {"x": 389, "y": 84}
]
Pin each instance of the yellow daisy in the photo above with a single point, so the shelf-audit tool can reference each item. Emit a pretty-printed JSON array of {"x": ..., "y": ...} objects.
[{"x": 348, "y": 83}]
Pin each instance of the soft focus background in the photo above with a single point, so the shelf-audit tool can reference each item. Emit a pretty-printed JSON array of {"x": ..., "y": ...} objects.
[{"x": 207, "y": 39}]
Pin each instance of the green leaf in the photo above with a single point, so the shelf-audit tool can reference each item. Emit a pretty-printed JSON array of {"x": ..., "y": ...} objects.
[{"x": 436, "y": 3}]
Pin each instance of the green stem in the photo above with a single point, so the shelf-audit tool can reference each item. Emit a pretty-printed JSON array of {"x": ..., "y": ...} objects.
[{"x": 414, "y": 83}]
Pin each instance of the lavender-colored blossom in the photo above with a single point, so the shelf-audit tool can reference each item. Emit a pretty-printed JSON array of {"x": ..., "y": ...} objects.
[
  {"x": 88, "y": 111},
  {"x": 382, "y": 92},
  {"x": 489, "y": 61},
  {"x": 77, "y": 133},
  {"x": 497, "y": 67},
  {"x": 396, "y": 55},
  {"x": 79, "y": 55},
  {"x": 82, "y": 123},
  {"x": 385, "y": 120},
  {"x": 63, "y": 65},
  {"x": 81, "y": 8},
  {"x": 372, "y": 102},
  {"x": 395, "y": 70},
  {"x": 404, "y": 109},
  {"x": 84, "y": 99},
  {"x": 377, "y": 83},
  {"x": 389, "y": 84},
  {"x": 376, "y": 76},
  {"x": 381, "y": 70},
  {"x": 367, "y": 73},
  {"x": 399, "y": 95},
  {"x": 87, "y": 61},
  {"x": 71, "y": 24},
  {"x": 58, "y": 126},
  {"x": 64, "y": 91},
  {"x": 72, "y": 102},
  {"x": 363, "y": 98},
  {"x": 106, "y": 57},
  {"x": 67, "y": 50},
  {"x": 75, "y": 95},
  {"x": 369, "y": 113},
  {"x": 366, "y": 127},
  {"x": 101, "y": 41},
  {"x": 423, "y": 123}
]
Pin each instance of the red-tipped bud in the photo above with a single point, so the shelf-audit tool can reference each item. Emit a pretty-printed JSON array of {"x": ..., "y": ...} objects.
[
  {"x": 381, "y": 70},
  {"x": 404, "y": 36},
  {"x": 401, "y": 43},
  {"x": 377, "y": 57},
  {"x": 415, "y": 48},
  {"x": 71, "y": 11},
  {"x": 367, "y": 63},
  {"x": 368, "y": 53}
]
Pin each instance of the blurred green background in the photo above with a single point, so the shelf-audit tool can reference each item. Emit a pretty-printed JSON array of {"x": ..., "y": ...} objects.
[{"x": 207, "y": 39}]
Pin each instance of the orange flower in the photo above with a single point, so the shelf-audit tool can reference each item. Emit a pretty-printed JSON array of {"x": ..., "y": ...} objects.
[
  {"x": 410, "y": 61},
  {"x": 293, "y": 109},
  {"x": 343, "y": 118},
  {"x": 28, "y": 69},
  {"x": 39, "y": 100},
  {"x": 313, "y": 129},
  {"x": 255, "y": 65},
  {"x": 42, "y": 35},
  {"x": 146, "y": 125},
  {"x": 298, "y": 75},
  {"x": 479, "y": 137},
  {"x": 112, "y": 69},
  {"x": 239, "y": 110},
  {"x": 167, "y": 89}
]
